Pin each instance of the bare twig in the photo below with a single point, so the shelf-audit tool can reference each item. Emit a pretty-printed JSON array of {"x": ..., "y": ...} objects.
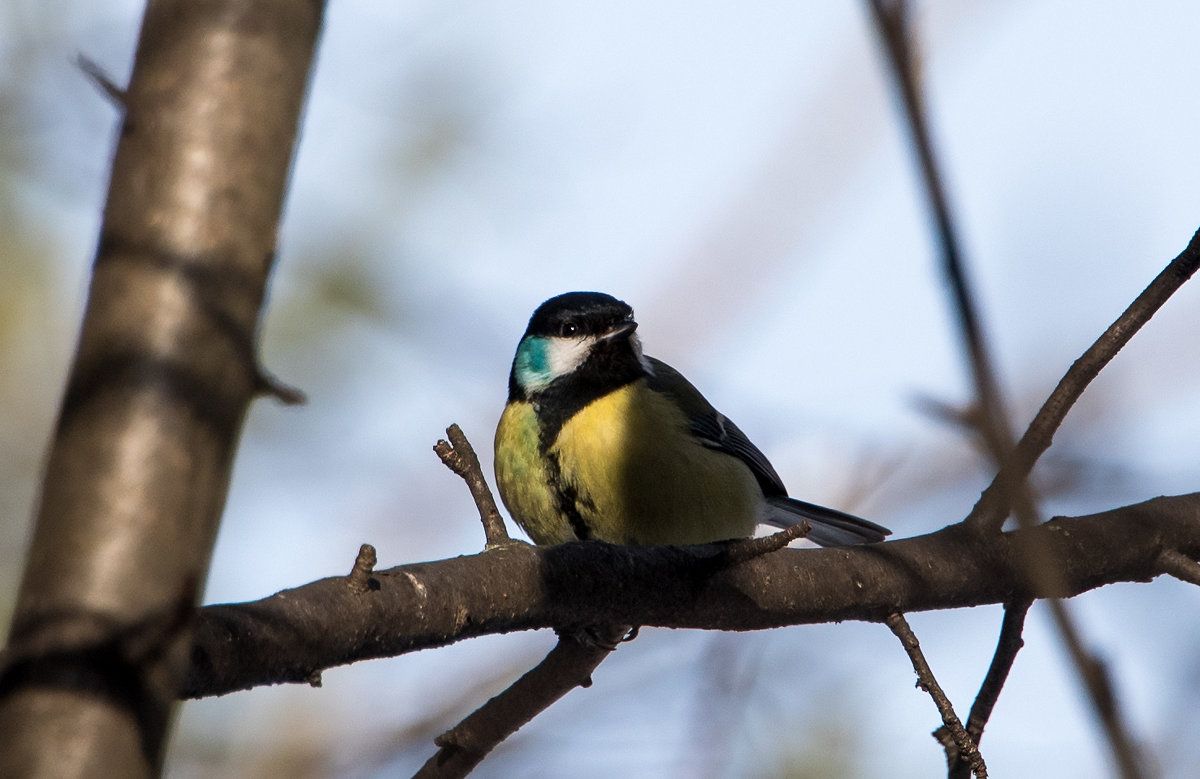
[
  {"x": 102, "y": 80},
  {"x": 382, "y": 749},
  {"x": 1179, "y": 565},
  {"x": 1007, "y": 646},
  {"x": 993, "y": 506},
  {"x": 967, "y": 750},
  {"x": 461, "y": 458},
  {"x": 1045, "y": 576},
  {"x": 266, "y": 383},
  {"x": 989, "y": 692},
  {"x": 744, "y": 549},
  {"x": 569, "y": 665}
]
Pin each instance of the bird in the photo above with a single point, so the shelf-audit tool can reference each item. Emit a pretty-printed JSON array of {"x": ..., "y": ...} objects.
[{"x": 598, "y": 441}]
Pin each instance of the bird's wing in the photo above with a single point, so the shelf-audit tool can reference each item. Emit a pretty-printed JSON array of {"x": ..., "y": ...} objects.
[{"x": 712, "y": 428}]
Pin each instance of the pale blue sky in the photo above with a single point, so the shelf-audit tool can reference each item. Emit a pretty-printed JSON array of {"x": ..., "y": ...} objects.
[{"x": 739, "y": 175}]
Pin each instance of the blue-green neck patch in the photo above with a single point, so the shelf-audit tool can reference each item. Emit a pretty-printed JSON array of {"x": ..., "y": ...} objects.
[
  {"x": 542, "y": 359},
  {"x": 532, "y": 364}
]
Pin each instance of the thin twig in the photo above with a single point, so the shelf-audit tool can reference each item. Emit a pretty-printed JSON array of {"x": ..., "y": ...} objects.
[
  {"x": 967, "y": 750},
  {"x": 744, "y": 549},
  {"x": 989, "y": 513},
  {"x": 461, "y": 458},
  {"x": 1045, "y": 576},
  {"x": 1007, "y": 646},
  {"x": 102, "y": 81},
  {"x": 265, "y": 383},
  {"x": 1179, "y": 565},
  {"x": 569, "y": 665}
]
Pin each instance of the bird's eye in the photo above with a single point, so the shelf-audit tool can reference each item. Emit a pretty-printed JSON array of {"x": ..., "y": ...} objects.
[{"x": 568, "y": 329}]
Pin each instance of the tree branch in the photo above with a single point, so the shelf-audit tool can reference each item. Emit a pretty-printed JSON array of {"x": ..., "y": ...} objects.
[
  {"x": 1009, "y": 643},
  {"x": 288, "y": 636},
  {"x": 993, "y": 506},
  {"x": 1009, "y": 486},
  {"x": 1182, "y": 567},
  {"x": 460, "y": 457},
  {"x": 569, "y": 665},
  {"x": 964, "y": 746}
]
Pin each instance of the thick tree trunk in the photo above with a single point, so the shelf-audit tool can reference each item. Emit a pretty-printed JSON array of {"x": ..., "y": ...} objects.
[{"x": 164, "y": 372}]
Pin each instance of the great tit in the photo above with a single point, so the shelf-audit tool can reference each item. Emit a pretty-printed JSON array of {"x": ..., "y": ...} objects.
[{"x": 599, "y": 441}]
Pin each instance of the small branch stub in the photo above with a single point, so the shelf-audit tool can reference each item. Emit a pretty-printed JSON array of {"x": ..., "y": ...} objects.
[
  {"x": 359, "y": 579},
  {"x": 744, "y": 549},
  {"x": 102, "y": 81},
  {"x": 267, "y": 384},
  {"x": 461, "y": 458},
  {"x": 1179, "y": 565}
]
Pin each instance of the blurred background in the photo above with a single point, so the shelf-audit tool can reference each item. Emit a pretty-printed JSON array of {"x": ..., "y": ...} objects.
[{"x": 740, "y": 174}]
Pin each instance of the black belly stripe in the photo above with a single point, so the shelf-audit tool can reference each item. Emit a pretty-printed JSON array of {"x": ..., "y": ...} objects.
[
  {"x": 567, "y": 499},
  {"x": 603, "y": 373}
]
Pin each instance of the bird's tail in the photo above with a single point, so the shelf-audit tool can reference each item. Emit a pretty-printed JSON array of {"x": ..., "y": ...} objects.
[{"x": 829, "y": 526}]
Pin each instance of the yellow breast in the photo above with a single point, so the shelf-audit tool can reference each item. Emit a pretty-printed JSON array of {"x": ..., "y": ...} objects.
[{"x": 631, "y": 469}]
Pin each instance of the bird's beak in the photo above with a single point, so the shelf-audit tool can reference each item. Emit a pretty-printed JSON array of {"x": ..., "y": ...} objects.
[{"x": 618, "y": 332}]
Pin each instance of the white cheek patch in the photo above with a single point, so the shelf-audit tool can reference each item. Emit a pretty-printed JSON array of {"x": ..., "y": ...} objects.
[
  {"x": 564, "y": 355},
  {"x": 541, "y": 360}
]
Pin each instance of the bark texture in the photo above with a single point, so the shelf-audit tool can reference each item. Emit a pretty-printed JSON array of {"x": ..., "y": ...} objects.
[
  {"x": 292, "y": 635},
  {"x": 163, "y": 374}
]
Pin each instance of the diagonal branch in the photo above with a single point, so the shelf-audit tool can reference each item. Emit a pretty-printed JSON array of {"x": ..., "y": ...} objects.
[
  {"x": 965, "y": 746},
  {"x": 460, "y": 457},
  {"x": 1007, "y": 646},
  {"x": 994, "y": 504},
  {"x": 569, "y": 665}
]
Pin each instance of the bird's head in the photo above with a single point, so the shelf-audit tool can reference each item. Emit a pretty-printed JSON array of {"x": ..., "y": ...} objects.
[{"x": 585, "y": 337}]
